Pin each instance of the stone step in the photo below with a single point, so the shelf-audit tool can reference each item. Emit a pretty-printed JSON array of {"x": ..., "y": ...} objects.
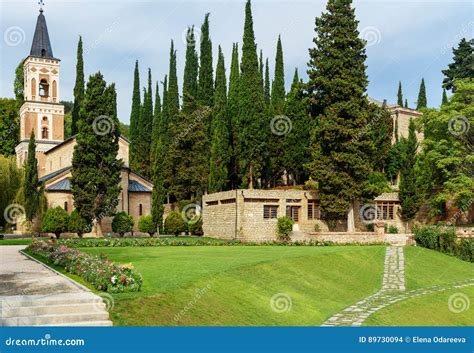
[
  {"x": 38, "y": 310},
  {"x": 54, "y": 319},
  {"x": 54, "y": 299},
  {"x": 84, "y": 323}
]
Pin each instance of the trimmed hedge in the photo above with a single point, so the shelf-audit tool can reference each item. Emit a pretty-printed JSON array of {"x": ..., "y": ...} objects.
[
  {"x": 97, "y": 270},
  {"x": 443, "y": 239}
]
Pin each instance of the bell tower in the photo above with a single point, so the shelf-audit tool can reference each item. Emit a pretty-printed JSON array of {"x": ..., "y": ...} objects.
[{"x": 41, "y": 112}]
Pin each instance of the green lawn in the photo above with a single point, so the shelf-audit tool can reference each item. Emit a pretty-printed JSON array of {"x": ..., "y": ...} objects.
[
  {"x": 234, "y": 285},
  {"x": 18, "y": 241}
]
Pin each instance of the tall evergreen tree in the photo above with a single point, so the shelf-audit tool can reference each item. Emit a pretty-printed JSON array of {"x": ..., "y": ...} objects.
[
  {"x": 406, "y": 103},
  {"x": 156, "y": 129},
  {"x": 409, "y": 194},
  {"x": 266, "y": 89},
  {"x": 172, "y": 92},
  {"x": 135, "y": 118},
  {"x": 342, "y": 148},
  {"x": 233, "y": 114},
  {"x": 253, "y": 127},
  {"x": 220, "y": 151},
  {"x": 78, "y": 88},
  {"x": 190, "y": 78},
  {"x": 144, "y": 133},
  {"x": 206, "y": 80},
  {"x": 444, "y": 100},
  {"x": 421, "y": 102},
  {"x": 30, "y": 182},
  {"x": 462, "y": 66},
  {"x": 261, "y": 70},
  {"x": 278, "y": 84},
  {"x": 400, "y": 95},
  {"x": 95, "y": 179}
]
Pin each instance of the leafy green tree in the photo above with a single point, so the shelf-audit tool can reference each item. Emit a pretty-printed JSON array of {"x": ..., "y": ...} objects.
[
  {"x": 342, "y": 146},
  {"x": 409, "y": 194},
  {"x": 252, "y": 122},
  {"x": 190, "y": 79},
  {"x": 135, "y": 119},
  {"x": 400, "y": 95},
  {"x": 421, "y": 103},
  {"x": 95, "y": 179},
  {"x": 146, "y": 225},
  {"x": 122, "y": 223},
  {"x": 381, "y": 124},
  {"x": 444, "y": 100},
  {"x": 206, "y": 80},
  {"x": 77, "y": 224},
  {"x": 219, "y": 160},
  {"x": 10, "y": 182},
  {"x": 233, "y": 114},
  {"x": 461, "y": 67},
  {"x": 30, "y": 183},
  {"x": 174, "y": 223},
  {"x": 78, "y": 88},
  {"x": 9, "y": 126},
  {"x": 19, "y": 84},
  {"x": 55, "y": 221}
]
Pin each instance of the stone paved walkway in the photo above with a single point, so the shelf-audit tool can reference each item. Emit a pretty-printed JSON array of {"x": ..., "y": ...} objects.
[{"x": 393, "y": 291}]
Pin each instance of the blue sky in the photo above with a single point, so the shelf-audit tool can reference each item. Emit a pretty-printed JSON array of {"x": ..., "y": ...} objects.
[{"x": 408, "y": 40}]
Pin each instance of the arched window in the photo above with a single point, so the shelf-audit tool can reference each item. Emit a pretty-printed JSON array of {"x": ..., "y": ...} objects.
[
  {"x": 65, "y": 206},
  {"x": 140, "y": 209},
  {"x": 44, "y": 88},
  {"x": 43, "y": 52},
  {"x": 44, "y": 133}
]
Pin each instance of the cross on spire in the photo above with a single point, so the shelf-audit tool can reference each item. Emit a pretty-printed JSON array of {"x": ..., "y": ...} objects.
[{"x": 41, "y": 4}]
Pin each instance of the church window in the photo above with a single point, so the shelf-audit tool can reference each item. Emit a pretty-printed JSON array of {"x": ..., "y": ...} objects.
[
  {"x": 55, "y": 90},
  {"x": 65, "y": 206},
  {"x": 33, "y": 88},
  {"x": 140, "y": 209},
  {"x": 44, "y": 133},
  {"x": 44, "y": 88}
]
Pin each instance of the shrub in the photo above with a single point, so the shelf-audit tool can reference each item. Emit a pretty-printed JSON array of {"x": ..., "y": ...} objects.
[
  {"x": 392, "y": 229},
  {"x": 317, "y": 228},
  {"x": 195, "y": 225},
  {"x": 55, "y": 221},
  {"x": 447, "y": 240},
  {"x": 174, "y": 223},
  {"x": 146, "y": 225},
  {"x": 465, "y": 249},
  {"x": 77, "y": 224},
  {"x": 284, "y": 228},
  {"x": 98, "y": 271},
  {"x": 122, "y": 223},
  {"x": 427, "y": 236}
]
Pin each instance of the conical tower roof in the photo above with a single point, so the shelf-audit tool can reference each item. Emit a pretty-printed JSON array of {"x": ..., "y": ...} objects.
[{"x": 41, "y": 46}]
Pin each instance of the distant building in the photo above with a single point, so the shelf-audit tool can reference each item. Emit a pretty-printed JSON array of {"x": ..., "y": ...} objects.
[{"x": 42, "y": 113}]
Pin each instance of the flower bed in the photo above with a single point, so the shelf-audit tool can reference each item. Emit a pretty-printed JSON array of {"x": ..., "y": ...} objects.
[{"x": 97, "y": 270}]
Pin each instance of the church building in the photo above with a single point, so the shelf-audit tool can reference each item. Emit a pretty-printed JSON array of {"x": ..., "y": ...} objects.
[{"x": 43, "y": 114}]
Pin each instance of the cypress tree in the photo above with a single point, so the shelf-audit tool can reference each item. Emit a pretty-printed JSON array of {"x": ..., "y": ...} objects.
[
  {"x": 144, "y": 133},
  {"x": 341, "y": 151},
  {"x": 135, "y": 118},
  {"x": 260, "y": 69},
  {"x": 461, "y": 67},
  {"x": 95, "y": 179},
  {"x": 190, "y": 83},
  {"x": 266, "y": 90},
  {"x": 278, "y": 84},
  {"x": 155, "y": 134},
  {"x": 233, "y": 114},
  {"x": 253, "y": 127},
  {"x": 421, "y": 102},
  {"x": 172, "y": 92},
  {"x": 406, "y": 103},
  {"x": 30, "y": 183},
  {"x": 409, "y": 195},
  {"x": 400, "y": 95},
  {"x": 206, "y": 81},
  {"x": 219, "y": 159},
  {"x": 78, "y": 88},
  {"x": 445, "y": 97},
  {"x": 164, "y": 108}
]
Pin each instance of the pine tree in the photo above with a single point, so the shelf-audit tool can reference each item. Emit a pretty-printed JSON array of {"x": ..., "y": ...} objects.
[
  {"x": 341, "y": 151},
  {"x": 144, "y": 132},
  {"x": 444, "y": 100},
  {"x": 266, "y": 90},
  {"x": 406, "y": 103},
  {"x": 400, "y": 95},
  {"x": 219, "y": 159},
  {"x": 253, "y": 127},
  {"x": 278, "y": 84},
  {"x": 206, "y": 81},
  {"x": 421, "y": 102},
  {"x": 462, "y": 66},
  {"x": 30, "y": 182},
  {"x": 135, "y": 119},
  {"x": 233, "y": 114},
  {"x": 190, "y": 79},
  {"x": 409, "y": 195},
  {"x": 78, "y": 88},
  {"x": 95, "y": 179}
]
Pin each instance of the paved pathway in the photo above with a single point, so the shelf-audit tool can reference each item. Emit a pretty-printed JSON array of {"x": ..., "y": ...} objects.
[
  {"x": 31, "y": 294},
  {"x": 393, "y": 291}
]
